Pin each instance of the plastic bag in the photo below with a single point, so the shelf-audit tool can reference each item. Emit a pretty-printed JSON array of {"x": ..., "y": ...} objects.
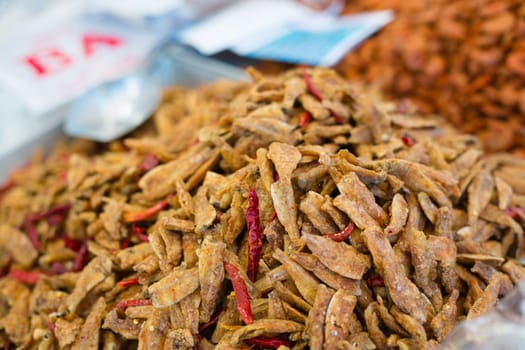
[{"x": 502, "y": 328}]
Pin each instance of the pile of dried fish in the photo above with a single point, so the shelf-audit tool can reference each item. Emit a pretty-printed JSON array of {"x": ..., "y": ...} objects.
[
  {"x": 300, "y": 215},
  {"x": 464, "y": 59}
]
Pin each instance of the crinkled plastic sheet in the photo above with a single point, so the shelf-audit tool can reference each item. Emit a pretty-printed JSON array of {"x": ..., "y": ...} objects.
[{"x": 501, "y": 329}]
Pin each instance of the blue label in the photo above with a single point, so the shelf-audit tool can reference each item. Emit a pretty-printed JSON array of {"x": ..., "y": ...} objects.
[{"x": 299, "y": 46}]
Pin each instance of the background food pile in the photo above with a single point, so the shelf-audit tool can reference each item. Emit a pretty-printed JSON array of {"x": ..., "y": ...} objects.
[
  {"x": 301, "y": 213},
  {"x": 464, "y": 59}
]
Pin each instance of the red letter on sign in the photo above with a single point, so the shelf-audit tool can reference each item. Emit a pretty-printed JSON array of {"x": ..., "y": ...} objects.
[
  {"x": 47, "y": 60},
  {"x": 90, "y": 40}
]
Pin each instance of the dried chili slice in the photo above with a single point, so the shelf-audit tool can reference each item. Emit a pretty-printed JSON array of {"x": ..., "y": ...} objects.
[
  {"x": 515, "y": 212},
  {"x": 62, "y": 177},
  {"x": 51, "y": 327},
  {"x": 31, "y": 232},
  {"x": 26, "y": 277},
  {"x": 58, "y": 269},
  {"x": 214, "y": 318},
  {"x": 6, "y": 186},
  {"x": 53, "y": 215},
  {"x": 125, "y": 243},
  {"x": 343, "y": 234},
  {"x": 408, "y": 140},
  {"x": 255, "y": 233},
  {"x": 148, "y": 162},
  {"x": 148, "y": 213},
  {"x": 4, "y": 271},
  {"x": 241, "y": 293},
  {"x": 140, "y": 232},
  {"x": 273, "y": 217},
  {"x": 268, "y": 342},
  {"x": 218, "y": 215},
  {"x": 73, "y": 244},
  {"x": 124, "y": 304},
  {"x": 375, "y": 281},
  {"x": 338, "y": 119},
  {"x": 56, "y": 214},
  {"x": 304, "y": 119},
  {"x": 311, "y": 87},
  {"x": 61, "y": 209},
  {"x": 128, "y": 282},
  {"x": 313, "y": 90},
  {"x": 81, "y": 257}
]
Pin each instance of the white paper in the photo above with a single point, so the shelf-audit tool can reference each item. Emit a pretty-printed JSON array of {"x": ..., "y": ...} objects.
[{"x": 242, "y": 22}]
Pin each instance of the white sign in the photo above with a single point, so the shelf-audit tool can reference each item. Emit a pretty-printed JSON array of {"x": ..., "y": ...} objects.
[{"x": 50, "y": 64}]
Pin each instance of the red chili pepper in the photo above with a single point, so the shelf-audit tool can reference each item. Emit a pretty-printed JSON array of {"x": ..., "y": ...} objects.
[
  {"x": 58, "y": 269},
  {"x": 7, "y": 345},
  {"x": 214, "y": 318},
  {"x": 124, "y": 304},
  {"x": 53, "y": 215},
  {"x": 125, "y": 243},
  {"x": 304, "y": 119},
  {"x": 311, "y": 87},
  {"x": 268, "y": 342},
  {"x": 514, "y": 212},
  {"x": 343, "y": 234},
  {"x": 241, "y": 293},
  {"x": 408, "y": 140},
  {"x": 148, "y": 162},
  {"x": 62, "y": 177},
  {"x": 32, "y": 233},
  {"x": 6, "y": 186},
  {"x": 5, "y": 269},
  {"x": 375, "y": 281},
  {"x": 81, "y": 258},
  {"x": 54, "y": 220},
  {"x": 273, "y": 217},
  {"x": 35, "y": 217},
  {"x": 255, "y": 233},
  {"x": 148, "y": 213},
  {"x": 338, "y": 119},
  {"x": 128, "y": 282},
  {"x": 140, "y": 232},
  {"x": 70, "y": 243},
  {"x": 218, "y": 215},
  {"x": 26, "y": 277},
  {"x": 51, "y": 327},
  {"x": 61, "y": 209},
  {"x": 313, "y": 90}
]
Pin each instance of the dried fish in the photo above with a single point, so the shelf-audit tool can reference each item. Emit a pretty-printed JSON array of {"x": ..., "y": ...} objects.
[
  {"x": 305, "y": 283},
  {"x": 398, "y": 215},
  {"x": 403, "y": 292},
  {"x": 338, "y": 256},
  {"x": 316, "y": 318},
  {"x": 174, "y": 287},
  {"x": 289, "y": 212},
  {"x": 211, "y": 276},
  {"x": 479, "y": 192}
]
